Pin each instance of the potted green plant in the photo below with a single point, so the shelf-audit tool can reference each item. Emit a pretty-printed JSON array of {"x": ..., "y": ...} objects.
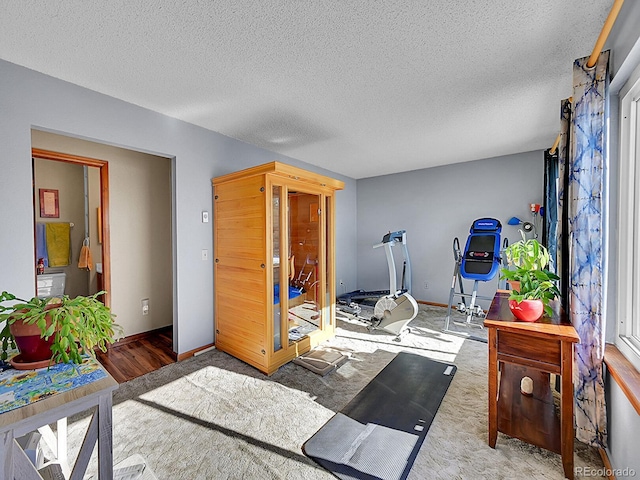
[
  {"x": 534, "y": 286},
  {"x": 60, "y": 329}
]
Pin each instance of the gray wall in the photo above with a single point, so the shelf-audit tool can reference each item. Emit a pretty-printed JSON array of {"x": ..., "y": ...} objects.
[
  {"x": 623, "y": 420},
  {"x": 623, "y": 40},
  {"x": 435, "y": 205},
  {"x": 623, "y": 424},
  {"x": 32, "y": 100}
]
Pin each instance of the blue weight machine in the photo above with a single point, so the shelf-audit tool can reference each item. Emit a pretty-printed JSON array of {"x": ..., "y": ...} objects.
[{"x": 479, "y": 262}]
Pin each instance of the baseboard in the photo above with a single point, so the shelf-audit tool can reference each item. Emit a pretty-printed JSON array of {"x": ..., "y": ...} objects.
[
  {"x": 607, "y": 464},
  {"x": 196, "y": 351},
  {"x": 433, "y": 304}
]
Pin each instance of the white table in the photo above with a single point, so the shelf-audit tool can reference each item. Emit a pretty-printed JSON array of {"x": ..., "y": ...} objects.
[{"x": 96, "y": 396}]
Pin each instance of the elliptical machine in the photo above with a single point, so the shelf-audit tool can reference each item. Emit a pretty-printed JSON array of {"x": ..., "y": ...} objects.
[{"x": 394, "y": 308}]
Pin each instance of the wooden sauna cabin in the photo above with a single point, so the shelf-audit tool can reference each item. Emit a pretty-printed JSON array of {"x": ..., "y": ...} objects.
[{"x": 274, "y": 263}]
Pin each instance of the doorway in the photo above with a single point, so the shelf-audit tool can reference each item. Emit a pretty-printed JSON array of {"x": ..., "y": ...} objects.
[
  {"x": 136, "y": 212},
  {"x": 84, "y": 184}
]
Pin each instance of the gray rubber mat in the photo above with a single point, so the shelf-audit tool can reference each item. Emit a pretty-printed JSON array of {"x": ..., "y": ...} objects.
[{"x": 379, "y": 433}]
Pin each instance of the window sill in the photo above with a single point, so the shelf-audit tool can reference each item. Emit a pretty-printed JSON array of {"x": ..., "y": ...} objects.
[{"x": 624, "y": 373}]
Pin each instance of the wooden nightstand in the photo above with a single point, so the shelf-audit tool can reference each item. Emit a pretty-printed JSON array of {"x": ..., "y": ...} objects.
[{"x": 536, "y": 350}]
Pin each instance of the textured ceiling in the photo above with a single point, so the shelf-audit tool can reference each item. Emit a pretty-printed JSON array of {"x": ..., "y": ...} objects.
[{"x": 360, "y": 87}]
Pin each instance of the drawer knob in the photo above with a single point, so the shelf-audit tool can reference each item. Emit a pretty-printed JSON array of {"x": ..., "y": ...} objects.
[{"x": 526, "y": 386}]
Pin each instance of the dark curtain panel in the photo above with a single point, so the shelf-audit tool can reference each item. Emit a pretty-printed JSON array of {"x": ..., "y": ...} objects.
[
  {"x": 550, "y": 220},
  {"x": 562, "y": 253}
]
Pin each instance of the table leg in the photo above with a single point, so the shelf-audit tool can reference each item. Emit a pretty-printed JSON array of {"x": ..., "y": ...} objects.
[
  {"x": 23, "y": 469},
  {"x": 6, "y": 455},
  {"x": 61, "y": 446},
  {"x": 105, "y": 438},
  {"x": 567, "y": 432},
  {"x": 493, "y": 387}
]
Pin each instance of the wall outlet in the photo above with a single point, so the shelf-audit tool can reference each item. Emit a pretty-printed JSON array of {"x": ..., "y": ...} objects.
[
  {"x": 426, "y": 285},
  {"x": 145, "y": 306}
]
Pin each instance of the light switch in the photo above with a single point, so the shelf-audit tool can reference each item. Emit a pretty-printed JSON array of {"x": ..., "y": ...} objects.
[
  {"x": 205, "y": 217},
  {"x": 205, "y": 254}
]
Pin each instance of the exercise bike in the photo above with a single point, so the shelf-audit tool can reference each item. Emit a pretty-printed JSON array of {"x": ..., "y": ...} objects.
[{"x": 393, "y": 308}]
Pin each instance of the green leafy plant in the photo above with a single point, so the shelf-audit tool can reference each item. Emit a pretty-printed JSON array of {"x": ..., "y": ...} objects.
[
  {"x": 77, "y": 325},
  {"x": 528, "y": 259}
]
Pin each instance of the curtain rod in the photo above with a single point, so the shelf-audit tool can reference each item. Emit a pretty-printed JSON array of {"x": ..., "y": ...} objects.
[
  {"x": 555, "y": 145},
  {"x": 602, "y": 38},
  {"x": 604, "y": 33}
]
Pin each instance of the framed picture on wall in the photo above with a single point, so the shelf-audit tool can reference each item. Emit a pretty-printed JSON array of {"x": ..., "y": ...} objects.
[{"x": 49, "y": 207}]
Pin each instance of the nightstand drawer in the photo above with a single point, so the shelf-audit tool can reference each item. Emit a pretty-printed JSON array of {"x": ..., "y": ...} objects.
[{"x": 538, "y": 350}]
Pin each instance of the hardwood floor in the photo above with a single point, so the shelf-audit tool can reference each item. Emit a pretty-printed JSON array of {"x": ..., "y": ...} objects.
[{"x": 139, "y": 354}]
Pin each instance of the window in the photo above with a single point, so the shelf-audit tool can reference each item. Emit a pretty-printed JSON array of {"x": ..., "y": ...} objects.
[{"x": 628, "y": 297}]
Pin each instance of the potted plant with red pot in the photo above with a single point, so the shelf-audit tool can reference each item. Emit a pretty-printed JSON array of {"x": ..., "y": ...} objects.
[
  {"x": 534, "y": 286},
  {"x": 53, "y": 330}
]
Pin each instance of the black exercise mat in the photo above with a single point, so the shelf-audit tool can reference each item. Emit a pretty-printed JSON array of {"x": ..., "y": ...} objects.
[{"x": 378, "y": 434}]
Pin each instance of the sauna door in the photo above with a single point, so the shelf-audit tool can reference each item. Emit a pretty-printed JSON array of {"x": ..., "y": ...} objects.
[{"x": 298, "y": 265}]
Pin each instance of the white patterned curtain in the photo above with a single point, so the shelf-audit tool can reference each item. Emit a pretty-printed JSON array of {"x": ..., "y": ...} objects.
[{"x": 585, "y": 211}]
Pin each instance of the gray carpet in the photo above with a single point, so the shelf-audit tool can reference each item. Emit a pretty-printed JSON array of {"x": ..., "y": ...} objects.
[{"x": 215, "y": 417}]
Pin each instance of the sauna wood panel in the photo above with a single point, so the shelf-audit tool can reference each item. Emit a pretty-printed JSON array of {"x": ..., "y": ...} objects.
[
  {"x": 252, "y": 357},
  {"x": 241, "y": 248},
  {"x": 240, "y": 189},
  {"x": 238, "y": 313},
  {"x": 248, "y": 284},
  {"x": 240, "y": 209},
  {"x": 243, "y": 333},
  {"x": 247, "y": 232}
]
